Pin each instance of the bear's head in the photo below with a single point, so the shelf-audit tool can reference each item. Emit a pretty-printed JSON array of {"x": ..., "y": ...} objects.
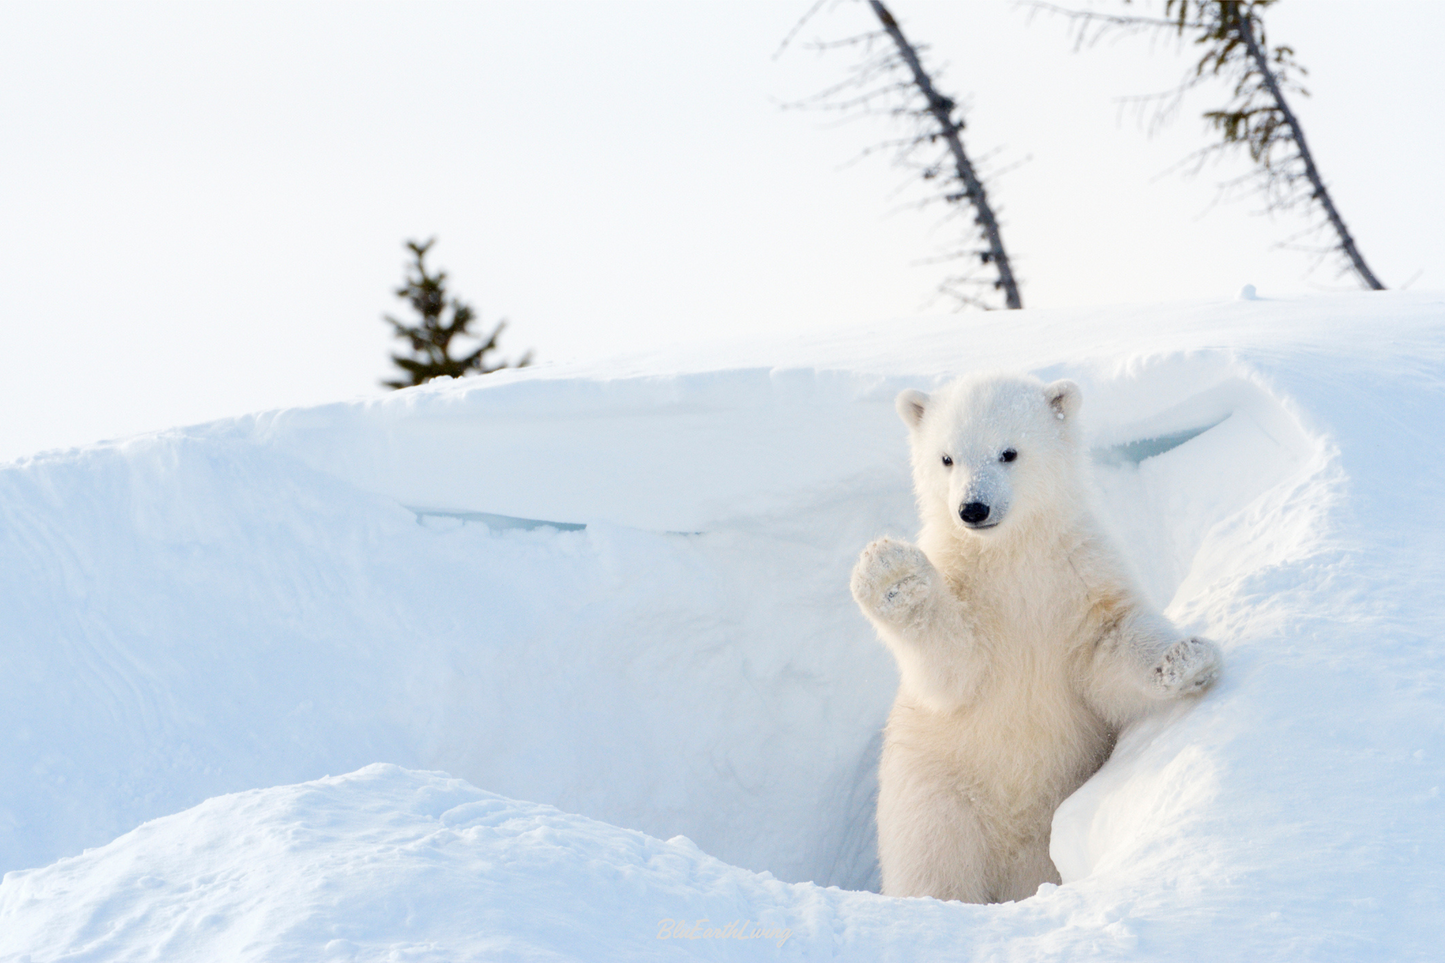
[{"x": 992, "y": 451}]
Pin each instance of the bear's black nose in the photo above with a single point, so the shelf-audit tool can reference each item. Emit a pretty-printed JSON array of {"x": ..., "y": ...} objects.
[{"x": 973, "y": 512}]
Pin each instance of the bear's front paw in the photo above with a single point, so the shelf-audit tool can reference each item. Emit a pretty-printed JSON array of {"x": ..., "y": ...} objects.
[
  {"x": 1189, "y": 665},
  {"x": 892, "y": 578}
]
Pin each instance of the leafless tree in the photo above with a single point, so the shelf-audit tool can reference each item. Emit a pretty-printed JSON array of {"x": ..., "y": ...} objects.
[
  {"x": 1257, "y": 117},
  {"x": 891, "y": 78}
]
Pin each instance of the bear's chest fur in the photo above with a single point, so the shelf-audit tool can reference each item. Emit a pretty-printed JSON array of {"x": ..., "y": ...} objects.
[{"x": 1026, "y": 738}]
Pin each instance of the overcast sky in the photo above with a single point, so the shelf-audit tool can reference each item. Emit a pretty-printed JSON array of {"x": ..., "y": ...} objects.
[{"x": 202, "y": 205}]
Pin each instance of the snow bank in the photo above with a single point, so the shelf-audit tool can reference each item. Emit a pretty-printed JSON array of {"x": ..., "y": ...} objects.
[
  {"x": 385, "y": 863},
  {"x": 269, "y": 599}
]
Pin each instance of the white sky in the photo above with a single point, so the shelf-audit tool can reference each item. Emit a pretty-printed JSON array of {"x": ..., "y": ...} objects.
[{"x": 202, "y": 205}]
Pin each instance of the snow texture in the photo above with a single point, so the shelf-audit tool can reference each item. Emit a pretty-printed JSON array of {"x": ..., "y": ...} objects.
[{"x": 263, "y": 601}]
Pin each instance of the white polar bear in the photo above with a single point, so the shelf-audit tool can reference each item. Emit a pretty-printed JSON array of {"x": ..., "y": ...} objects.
[{"x": 1022, "y": 644}]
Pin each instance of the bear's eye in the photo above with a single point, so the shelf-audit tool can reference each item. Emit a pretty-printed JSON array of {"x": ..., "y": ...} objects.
[
  {"x": 947, "y": 462},
  {"x": 1008, "y": 455}
]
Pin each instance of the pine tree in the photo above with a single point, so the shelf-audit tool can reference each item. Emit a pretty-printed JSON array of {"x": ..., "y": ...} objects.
[
  {"x": 1234, "y": 48},
  {"x": 431, "y": 339},
  {"x": 968, "y": 186},
  {"x": 896, "y": 81},
  {"x": 1258, "y": 116}
]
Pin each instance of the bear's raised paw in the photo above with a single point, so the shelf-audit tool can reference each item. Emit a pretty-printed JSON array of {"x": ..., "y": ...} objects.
[
  {"x": 1188, "y": 666},
  {"x": 892, "y": 578}
]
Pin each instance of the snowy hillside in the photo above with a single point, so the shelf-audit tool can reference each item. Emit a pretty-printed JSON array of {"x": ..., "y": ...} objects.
[{"x": 249, "y": 605}]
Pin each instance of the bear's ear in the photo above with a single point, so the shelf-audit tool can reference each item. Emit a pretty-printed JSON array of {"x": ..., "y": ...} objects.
[
  {"x": 911, "y": 405},
  {"x": 1063, "y": 397}
]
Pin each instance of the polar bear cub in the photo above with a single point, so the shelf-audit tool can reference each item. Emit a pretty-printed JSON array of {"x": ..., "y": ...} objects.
[{"x": 1021, "y": 641}]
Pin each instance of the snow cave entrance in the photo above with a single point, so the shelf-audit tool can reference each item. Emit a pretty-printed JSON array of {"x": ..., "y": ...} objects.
[{"x": 1187, "y": 485}]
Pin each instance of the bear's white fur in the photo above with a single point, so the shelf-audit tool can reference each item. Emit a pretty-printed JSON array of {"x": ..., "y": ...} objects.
[{"x": 1022, "y": 644}]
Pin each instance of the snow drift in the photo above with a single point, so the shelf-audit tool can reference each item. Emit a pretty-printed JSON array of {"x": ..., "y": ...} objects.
[{"x": 270, "y": 599}]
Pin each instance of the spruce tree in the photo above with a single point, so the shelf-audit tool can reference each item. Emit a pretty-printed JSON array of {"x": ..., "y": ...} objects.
[
  {"x": 431, "y": 338},
  {"x": 1233, "y": 47},
  {"x": 966, "y": 184},
  {"x": 892, "y": 78}
]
